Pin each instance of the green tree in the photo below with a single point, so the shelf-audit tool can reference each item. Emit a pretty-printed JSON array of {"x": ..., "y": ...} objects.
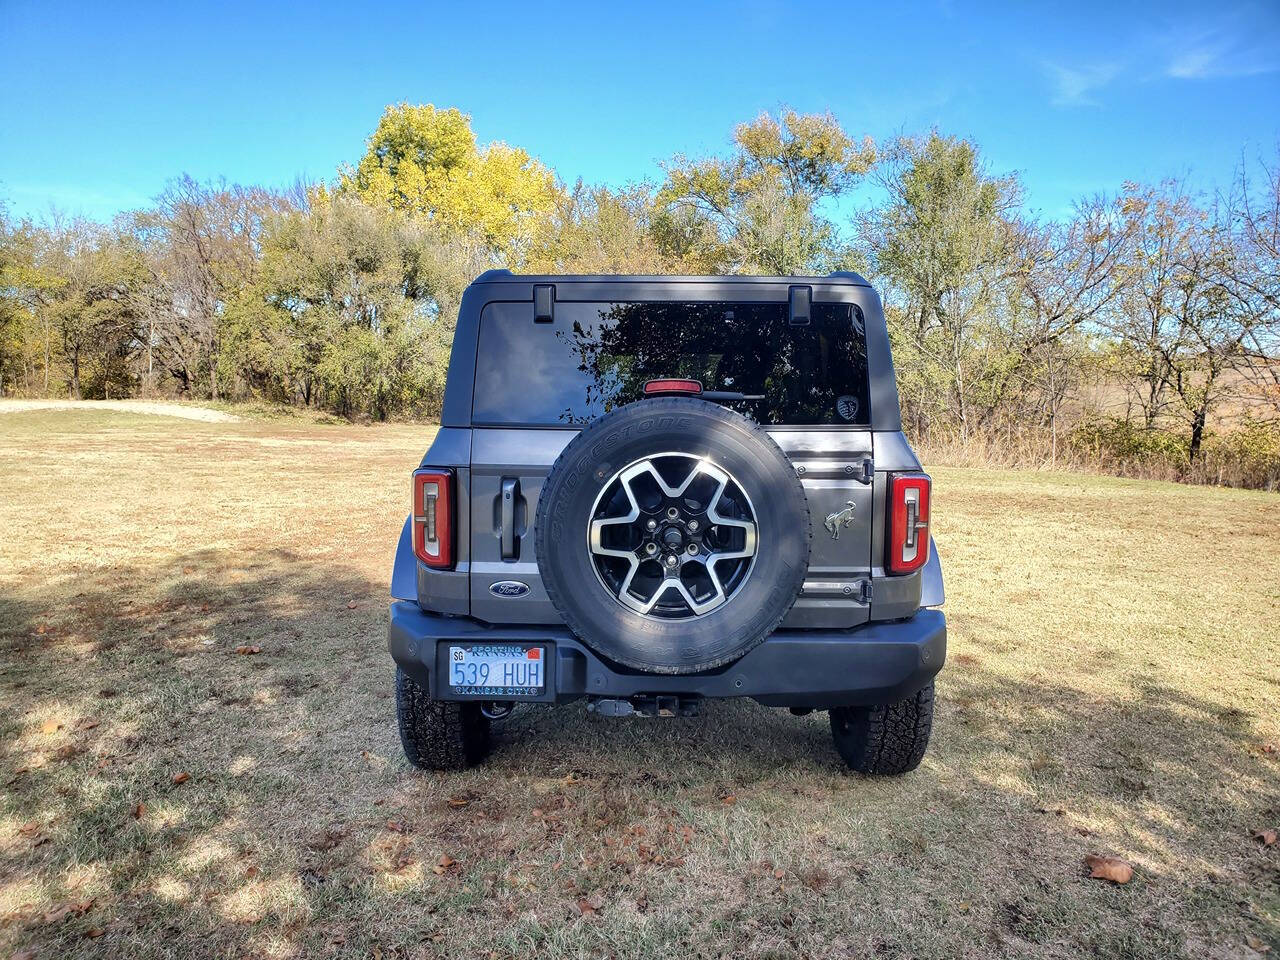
[
  {"x": 424, "y": 161},
  {"x": 595, "y": 229},
  {"x": 759, "y": 209},
  {"x": 941, "y": 244},
  {"x": 345, "y": 311},
  {"x": 11, "y": 313},
  {"x": 80, "y": 286}
]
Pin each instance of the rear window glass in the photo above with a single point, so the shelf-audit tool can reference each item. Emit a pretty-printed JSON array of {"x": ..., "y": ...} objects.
[{"x": 597, "y": 356}]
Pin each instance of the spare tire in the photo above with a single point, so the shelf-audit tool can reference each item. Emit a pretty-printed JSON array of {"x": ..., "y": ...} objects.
[{"x": 672, "y": 535}]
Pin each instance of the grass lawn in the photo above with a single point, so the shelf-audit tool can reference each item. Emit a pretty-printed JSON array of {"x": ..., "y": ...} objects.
[{"x": 1112, "y": 687}]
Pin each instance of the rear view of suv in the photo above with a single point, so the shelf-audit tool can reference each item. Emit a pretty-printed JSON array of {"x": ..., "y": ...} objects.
[{"x": 647, "y": 491}]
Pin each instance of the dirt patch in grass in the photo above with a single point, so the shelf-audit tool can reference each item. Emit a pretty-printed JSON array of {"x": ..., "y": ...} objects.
[
  {"x": 1112, "y": 689},
  {"x": 183, "y": 411}
]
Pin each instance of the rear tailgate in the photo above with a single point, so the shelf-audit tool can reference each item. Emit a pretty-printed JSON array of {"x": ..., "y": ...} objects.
[{"x": 508, "y": 468}]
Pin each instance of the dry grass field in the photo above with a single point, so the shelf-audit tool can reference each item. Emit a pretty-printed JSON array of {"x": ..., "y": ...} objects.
[{"x": 1113, "y": 687}]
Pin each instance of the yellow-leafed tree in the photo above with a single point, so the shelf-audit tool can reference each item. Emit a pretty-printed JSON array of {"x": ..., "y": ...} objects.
[{"x": 425, "y": 161}]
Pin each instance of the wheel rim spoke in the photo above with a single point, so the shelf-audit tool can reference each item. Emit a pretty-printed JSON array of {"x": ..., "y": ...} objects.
[{"x": 700, "y": 529}]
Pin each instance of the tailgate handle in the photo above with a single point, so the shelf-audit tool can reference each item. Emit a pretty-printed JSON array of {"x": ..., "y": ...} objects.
[{"x": 510, "y": 492}]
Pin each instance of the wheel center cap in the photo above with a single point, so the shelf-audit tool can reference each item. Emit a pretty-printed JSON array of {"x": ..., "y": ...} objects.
[{"x": 673, "y": 538}]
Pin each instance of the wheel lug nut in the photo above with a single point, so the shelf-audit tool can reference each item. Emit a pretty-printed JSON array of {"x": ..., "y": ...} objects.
[
  {"x": 671, "y": 560},
  {"x": 693, "y": 548},
  {"x": 652, "y": 524},
  {"x": 693, "y": 524},
  {"x": 651, "y": 548},
  {"x": 672, "y": 513}
]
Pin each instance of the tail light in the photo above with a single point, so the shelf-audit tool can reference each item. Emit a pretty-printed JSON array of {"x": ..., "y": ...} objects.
[
  {"x": 908, "y": 522},
  {"x": 433, "y": 517}
]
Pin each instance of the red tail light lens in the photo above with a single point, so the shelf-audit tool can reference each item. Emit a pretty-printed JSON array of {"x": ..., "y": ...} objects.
[
  {"x": 908, "y": 522},
  {"x": 433, "y": 517},
  {"x": 656, "y": 388}
]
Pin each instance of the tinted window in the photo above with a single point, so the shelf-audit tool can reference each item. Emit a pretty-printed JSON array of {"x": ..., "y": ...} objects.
[{"x": 596, "y": 356}]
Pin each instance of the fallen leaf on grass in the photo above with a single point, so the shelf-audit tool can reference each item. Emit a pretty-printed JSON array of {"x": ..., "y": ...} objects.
[
  {"x": 51, "y": 726},
  {"x": 70, "y": 909},
  {"x": 729, "y": 800},
  {"x": 444, "y": 865},
  {"x": 1266, "y": 837},
  {"x": 589, "y": 905},
  {"x": 1256, "y": 944},
  {"x": 351, "y": 605},
  {"x": 139, "y": 811},
  {"x": 182, "y": 777},
  {"x": 66, "y": 751},
  {"x": 251, "y": 872},
  {"x": 247, "y": 650},
  {"x": 93, "y": 933},
  {"x": 1108, "y": 868},
  {"x": 461, "y": 800},
  {"x": 395, "y": 826},
  {"x": 30, "y": 828}
]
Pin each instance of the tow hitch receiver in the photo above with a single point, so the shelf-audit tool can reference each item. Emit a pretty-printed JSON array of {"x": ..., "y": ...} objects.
[{"x": 655, "y": 706}]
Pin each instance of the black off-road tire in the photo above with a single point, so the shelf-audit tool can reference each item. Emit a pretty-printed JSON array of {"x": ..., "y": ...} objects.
[
  {"x": 696, "y": 428},
  {"x": 438, "y": 734},
  {"x": 889, "y": 739}
]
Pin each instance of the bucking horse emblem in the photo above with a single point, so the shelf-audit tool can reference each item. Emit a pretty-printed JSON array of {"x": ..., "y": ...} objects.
[{"x": 842, "y": 518}]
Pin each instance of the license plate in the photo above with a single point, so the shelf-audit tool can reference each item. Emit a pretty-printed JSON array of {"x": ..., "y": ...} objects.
[{"x": 498, "y": 670}]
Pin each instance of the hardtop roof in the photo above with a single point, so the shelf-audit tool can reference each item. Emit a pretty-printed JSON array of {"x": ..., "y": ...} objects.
[{"x": 847, "y": 277}]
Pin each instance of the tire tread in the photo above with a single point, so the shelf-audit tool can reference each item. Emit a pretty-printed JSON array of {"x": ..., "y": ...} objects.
[
  {"x": 438, "y": 734},
  {"x": 886, "y": 739},
  {"x": 730, "y": 419}
]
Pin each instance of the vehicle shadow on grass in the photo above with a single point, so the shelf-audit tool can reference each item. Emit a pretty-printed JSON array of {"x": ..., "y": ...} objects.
[
  {"x": 299, "y": 826},
  {"x": 180, "y": 787}
]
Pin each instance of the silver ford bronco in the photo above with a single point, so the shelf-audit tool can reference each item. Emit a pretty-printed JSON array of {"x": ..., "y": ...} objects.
[{"x": 647, "y": 491}]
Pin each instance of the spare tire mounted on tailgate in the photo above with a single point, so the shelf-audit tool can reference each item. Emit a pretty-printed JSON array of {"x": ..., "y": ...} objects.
[{"x": 672, "y": 535}]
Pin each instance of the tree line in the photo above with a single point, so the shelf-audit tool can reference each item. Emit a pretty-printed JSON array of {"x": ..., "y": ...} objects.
[{"x": 1141, "y": 331}]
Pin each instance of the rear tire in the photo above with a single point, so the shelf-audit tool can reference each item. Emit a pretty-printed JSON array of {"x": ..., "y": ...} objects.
[
  {"x": 438, "y": 734},
  {"x": 888, "y": 739}
]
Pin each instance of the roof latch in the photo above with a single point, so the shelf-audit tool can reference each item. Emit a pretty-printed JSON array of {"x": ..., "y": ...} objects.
[
  {"x": 798, "y": 304},
  {"x": 544, "y": 299}
]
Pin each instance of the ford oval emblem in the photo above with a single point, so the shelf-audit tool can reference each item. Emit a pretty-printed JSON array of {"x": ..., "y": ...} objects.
[{"x": 509, "y": 588}]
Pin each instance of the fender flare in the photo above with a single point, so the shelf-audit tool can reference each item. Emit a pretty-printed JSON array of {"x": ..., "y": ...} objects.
[
  {"x": 931, "y": 590},
  {"x": 404, "y": 572}
]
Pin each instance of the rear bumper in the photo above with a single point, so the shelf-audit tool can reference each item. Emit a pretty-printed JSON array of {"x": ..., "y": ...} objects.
[{"x": 872, "y": 664}]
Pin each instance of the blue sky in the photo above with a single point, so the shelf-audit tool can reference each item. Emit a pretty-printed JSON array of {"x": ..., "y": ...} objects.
[{"x": 100, "y": 103}]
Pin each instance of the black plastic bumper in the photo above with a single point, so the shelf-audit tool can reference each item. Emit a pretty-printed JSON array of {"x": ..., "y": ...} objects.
[{"x": 875, "y": 663}]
